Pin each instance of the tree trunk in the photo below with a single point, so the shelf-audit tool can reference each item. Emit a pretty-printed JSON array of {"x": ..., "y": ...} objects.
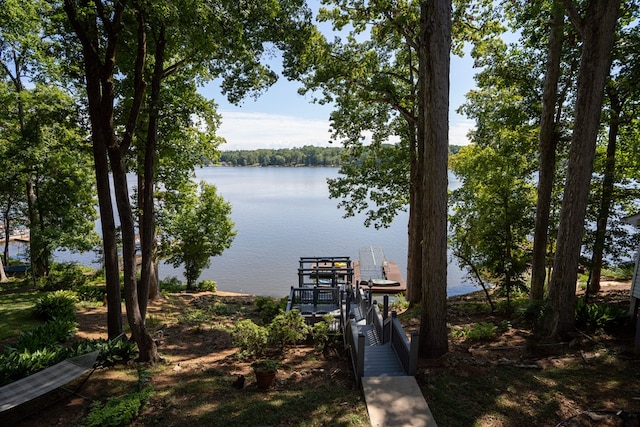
[
  {"x": 593, "y": 285},
  {"x": 148, "y": 225},
  {"x": 146, "y": 346},
  {"x": 548, "y": 141},
  {"x": 597, "y": 30},
  {"x": 3, "y": 275},
  {"x": 435, "y": 49},
  {"x": 414, "y": 253}
]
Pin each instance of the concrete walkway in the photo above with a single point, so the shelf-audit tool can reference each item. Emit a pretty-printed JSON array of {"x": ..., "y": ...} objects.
[{"x": 396, "y": 402}]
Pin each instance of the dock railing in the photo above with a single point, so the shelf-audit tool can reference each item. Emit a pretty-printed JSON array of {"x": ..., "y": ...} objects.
[
  {"x": 314, "y": 303},
  {"x": 388, "y": 329},
  {"x": 324, "y": 271}
]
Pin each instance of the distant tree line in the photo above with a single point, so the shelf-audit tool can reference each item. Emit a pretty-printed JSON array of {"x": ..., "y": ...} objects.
[{"x": 304, "y": 156}]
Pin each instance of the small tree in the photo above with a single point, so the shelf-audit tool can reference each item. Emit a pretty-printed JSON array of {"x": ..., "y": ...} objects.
[{"x": 197, "y": 226}]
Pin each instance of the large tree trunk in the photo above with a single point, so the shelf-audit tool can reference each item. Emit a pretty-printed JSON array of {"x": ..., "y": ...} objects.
[
  {"x": 548, "y": 141},
  {"x": 435, "y": 48},
  {"x": 593, "y": 285},
  {"x": 597, "y": 30},
  {"x": 414, "y": 252},
  {"x": 146, "y": 345},
  {"x": 148, "y": 225}
]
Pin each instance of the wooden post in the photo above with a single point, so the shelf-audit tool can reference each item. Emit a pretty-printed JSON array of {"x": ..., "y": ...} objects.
[
  {"x": 360, "y": 359},
  {"x": 413, "y": 353},
  {"x": 385, "y": 309}
]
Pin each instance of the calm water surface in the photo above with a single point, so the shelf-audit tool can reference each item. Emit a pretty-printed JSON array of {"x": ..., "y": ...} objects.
[{"x": 282, "y": 214}]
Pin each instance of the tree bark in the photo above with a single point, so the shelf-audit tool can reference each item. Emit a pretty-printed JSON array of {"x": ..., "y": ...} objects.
[
  {"x": 435, "y": 49},
  {"x": 148, "y": 225},
  {"x": 597, "y": 30},
  {"x": 608, "y": 181},
  {"x": 548, "y": 141},
  {"x": 414, "y": 252}
]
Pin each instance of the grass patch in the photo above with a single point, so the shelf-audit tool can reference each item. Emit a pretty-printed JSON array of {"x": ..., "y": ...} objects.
[{"x": 16, "y": 312}]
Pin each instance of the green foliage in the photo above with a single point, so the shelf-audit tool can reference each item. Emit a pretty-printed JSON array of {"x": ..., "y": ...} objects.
[
  {"x": 56, "y": 305},
  {"x": 265, "y": 365},
  {"x": 321, "y": 332},
  {"x": 91, "y": 292},
  {"x": 207, "y": 285},
  {"x": 171, "y": 284},
  {"x": 62, "y": 276},
  {"x": 112, "y": 352},
  {"x": 399, "y": 303},
  {"x": 198, "y": 229},
  {"x": 48, "y": 334},
  {"x": 305, "y": 156},
  {"x": 493, "y": 209},
  {"x": 119, "y": 411},
  {"x": 249, "y": 337},
  {"x": 270, "y": 307},
  {"x": 16, "y": 364},
  {"x": 286, "y": 329},
  {"x": 482, "y": 331},
  {"x": 531, "y": 312},
  {"x": 598, "y": 316}
]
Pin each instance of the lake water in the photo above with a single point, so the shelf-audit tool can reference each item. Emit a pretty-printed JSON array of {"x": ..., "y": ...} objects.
[{"x": 282, "y": 214}]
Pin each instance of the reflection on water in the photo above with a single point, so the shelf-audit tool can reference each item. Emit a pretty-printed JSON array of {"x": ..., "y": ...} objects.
[{"x": 282, "y": 214}]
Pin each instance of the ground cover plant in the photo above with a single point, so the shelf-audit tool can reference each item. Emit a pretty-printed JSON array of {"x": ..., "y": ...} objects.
[{"x": 495, "y": 374}]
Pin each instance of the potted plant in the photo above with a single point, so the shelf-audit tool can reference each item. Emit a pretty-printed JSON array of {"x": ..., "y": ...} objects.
[{"x": 265, "y": 370}]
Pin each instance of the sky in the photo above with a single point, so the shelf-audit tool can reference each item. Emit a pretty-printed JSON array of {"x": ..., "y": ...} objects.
[{"x": 281, "y": 118}]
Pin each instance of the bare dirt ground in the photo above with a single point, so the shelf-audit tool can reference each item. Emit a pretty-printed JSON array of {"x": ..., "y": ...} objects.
[{"x": 189, "y": 352}]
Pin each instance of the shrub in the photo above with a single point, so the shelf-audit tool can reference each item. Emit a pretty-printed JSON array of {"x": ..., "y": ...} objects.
[
  {"x": 207, "y": 285},
  {"x": 270, "y": 307},
  {"x": 46, "y": 335},
  {"x": 287, "y": 329},
  {"x": 63, "y": 276},
  {"x": 171, "y": 284},
  {"x": 598, "y": 316},
  {"x": 120, "y": 410},
  {"x": 481, "y": 331},
  {"x": 321, "y": 332},
  {"x": 56, "y": 305},
  {"x": 111, "y": 352},
  {"x": 249, "y": 337}
]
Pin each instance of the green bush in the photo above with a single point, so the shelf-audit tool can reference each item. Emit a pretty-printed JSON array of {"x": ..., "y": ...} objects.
[
  {"x": 270, "y": 307},
  {"x": 249, "y": 337},
  {"x": 64, "y": 276},
  {"x": 598, "y": 316},
  {"x": 91, "y": 292},
  {"x": 16, "y": 364},
  {"x": 171, "y": 284},
  {"x": 56, "y": 305},
  {"x": 321, "y": 332},
  {"x": 287, "y": 329},
  {"x": 111, "y": 352},
  {"x": 207, "y": 285},
  {"x": 46, "y": 335},
  {"x": 481, "y": 331},
  {"x": 120, "y": 410}
]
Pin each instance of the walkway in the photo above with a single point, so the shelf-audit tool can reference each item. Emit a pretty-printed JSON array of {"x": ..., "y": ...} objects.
[{"x": 385, "y": 364}]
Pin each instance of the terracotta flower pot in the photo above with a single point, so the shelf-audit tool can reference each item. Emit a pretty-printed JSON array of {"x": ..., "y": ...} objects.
[{"x": 264, "y": 379}]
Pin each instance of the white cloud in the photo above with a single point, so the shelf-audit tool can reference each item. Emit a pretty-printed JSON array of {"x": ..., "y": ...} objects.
[
  {"x": 250, "y": 131},
  {"x": 458, "y": 130}
]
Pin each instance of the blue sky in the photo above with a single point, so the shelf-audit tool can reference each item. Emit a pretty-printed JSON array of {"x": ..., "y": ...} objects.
[{"x": 281, "y": 118}]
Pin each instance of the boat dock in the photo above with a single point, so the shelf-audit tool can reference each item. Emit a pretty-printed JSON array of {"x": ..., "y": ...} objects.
[{"x": 383, "y": 358}]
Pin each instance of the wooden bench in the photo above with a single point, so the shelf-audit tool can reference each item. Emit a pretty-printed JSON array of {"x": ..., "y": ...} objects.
[{"x": 49, "y": 379}]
